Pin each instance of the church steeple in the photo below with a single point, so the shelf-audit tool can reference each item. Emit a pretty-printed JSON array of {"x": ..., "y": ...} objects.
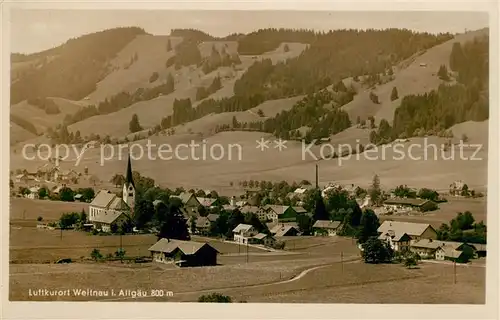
[
  {"x": 129, "y": 180},
  {"x": 129, "y": 187}
]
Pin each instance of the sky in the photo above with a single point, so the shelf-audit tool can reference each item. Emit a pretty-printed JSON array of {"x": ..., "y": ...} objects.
[{"x": 37, "y": 30}]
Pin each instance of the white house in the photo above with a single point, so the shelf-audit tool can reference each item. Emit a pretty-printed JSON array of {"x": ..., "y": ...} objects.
[
  {"x": 326, "y": 227},
  {"x": 416, "y": 231},
  {"x": 243, "y": 232}
]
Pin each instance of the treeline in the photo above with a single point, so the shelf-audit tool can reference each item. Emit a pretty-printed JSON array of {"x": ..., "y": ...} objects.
[
  {"x": 47, "y": 105},
  {"x": 322, "y": 63},
  {"x": 79, "y": 65},
  {"x": 121, "y": 100},
  {"x": 265, "y": 40},
  {"x": 219, "y": 59},
  {"x": 433, "y": 112},
  {"x": 202, "y": 92},
  {"x": 311, "y": 112},
  {"x": 463, "y": 228}
]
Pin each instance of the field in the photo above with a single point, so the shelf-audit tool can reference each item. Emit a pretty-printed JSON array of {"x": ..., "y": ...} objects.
[{"x": 310, "y": 269}]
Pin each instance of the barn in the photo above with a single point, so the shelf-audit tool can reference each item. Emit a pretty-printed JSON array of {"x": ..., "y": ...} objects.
[{"x": 184, "y": 253}]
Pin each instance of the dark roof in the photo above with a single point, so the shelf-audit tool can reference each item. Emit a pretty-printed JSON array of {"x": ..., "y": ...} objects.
[
  {"x": 407, "y": 201},
  {"x": 187, "y": 247},
  {"x": 129, "y": 180}
]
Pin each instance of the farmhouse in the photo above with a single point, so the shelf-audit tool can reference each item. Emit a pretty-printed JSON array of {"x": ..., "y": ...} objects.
[
  {"x": 259, "y": 212},
  {"x": 184, "y": 253},
  {"x": 429, "y": 248},
  {"x": 207, "y": 202},
  {"x": 325, "y": 228},
  {"x": 456, "y": 188},
  {"x": 104, "y": 220},
  {"x": 243, "y": 232},
  {"x": 397, "y": 240},
  {"x": 448, "y": 253},
  {"x": 202, "y": 225},
  {"x": 284, "y": 230},
  {"x": 189, "y": 202},
  {"x": 264, "y": 239},
  {"x": 24, "y": 178},
  {"x": 408, "y": 204},
  {"x": 280, "y": 213},
  {"x": 415, "y": 231}
]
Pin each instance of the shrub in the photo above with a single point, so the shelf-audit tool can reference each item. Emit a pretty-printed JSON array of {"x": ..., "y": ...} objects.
[{"x": 215, "y": 297}]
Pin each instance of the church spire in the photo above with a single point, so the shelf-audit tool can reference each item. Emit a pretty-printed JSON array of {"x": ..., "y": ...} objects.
[{"x": 129, "y": 178}]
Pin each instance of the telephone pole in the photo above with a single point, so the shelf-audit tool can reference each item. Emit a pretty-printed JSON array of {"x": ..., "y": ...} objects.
[
  {"x": 454, "y": 272},
  {"x": 121, "y": 248},
  {"x": 342, "y": 260},
  {"x": 247, "y": 251}
]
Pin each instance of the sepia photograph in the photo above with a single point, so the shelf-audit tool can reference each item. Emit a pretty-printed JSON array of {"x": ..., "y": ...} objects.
[{"x": 249, "y": 156}]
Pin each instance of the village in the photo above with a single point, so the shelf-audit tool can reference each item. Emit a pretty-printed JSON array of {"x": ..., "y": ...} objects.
[{"x": 199, "y": 228}]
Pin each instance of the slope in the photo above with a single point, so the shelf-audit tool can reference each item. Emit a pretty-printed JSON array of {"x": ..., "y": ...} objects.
[{"x": 416, "y": 75}]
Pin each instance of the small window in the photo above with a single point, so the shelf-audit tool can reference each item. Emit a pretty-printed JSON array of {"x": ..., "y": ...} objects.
[
  {"x": 130, "y": 194},
  {"x": 130, "y": 188}
]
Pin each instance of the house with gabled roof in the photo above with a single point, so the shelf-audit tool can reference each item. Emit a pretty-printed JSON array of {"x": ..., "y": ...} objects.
[
  {"x": 279, "y": 213},
  {"x": 184, "y": 253},
  {"x": 285, "y": 230},
  {"x": 325, "y": 227},
  {"x": 207, "y": 202},
  {"x": 415, "y": 231},
  {"x": 189, "y": 202},
  {"x": 263, "y": 239},
  {"x": 107, "y": 208},
  {"x": 202, "y": 225},
  {"x": 243, "y": 232},
  {"x": 399, "y": 241}
]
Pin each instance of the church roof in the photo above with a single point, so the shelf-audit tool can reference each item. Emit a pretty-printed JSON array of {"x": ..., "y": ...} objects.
[{"x": 129, "y": 178}]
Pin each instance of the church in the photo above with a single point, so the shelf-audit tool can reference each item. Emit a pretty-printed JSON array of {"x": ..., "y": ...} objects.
[{"x": 108, "y": 208}]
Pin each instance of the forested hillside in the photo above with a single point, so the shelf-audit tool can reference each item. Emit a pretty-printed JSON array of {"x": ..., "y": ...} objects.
[
  {"x": 76, "y": 68},
  {"x": 466, "y": 98}
]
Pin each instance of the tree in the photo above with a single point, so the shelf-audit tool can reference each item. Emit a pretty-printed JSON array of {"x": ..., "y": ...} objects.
[
  {"x": 11, "y": 184},
  {"x": 118, "y": 180},
  {"x": 83, "y": 216},
  {"x": 375, "y": 192},
  {"x": 375, "y": 251},
  {"x": 120, "y": 253},
  {"x": 215, "y": 297},
  {"x": 260, "y": 113},
  {"x": 286, "y": 48},
  {"x": 411, "y": 260},
  {"x": 374, "y": 97},
  {"x": 68, "y": 219},
  {"x": 66, "y": 194},
  {"x": 320, "y": 212},
  {"x": 368, "y": 225},
  {"x": 174, "y": 226},
  {"x": 134, "y": 125},
  {"x": 394, "y": 94},
  {"x": 457, "y": 56},
  {"x": 465, "y": 138},
  {"x": 305, "y": 224},
  {"x": 96, "y": 254},
  {"x": 39, "y": 219},
  {"x": 192, "y": 224},
  {"x": 443, "y": 73},
  {"x": 42, "y": 193}
]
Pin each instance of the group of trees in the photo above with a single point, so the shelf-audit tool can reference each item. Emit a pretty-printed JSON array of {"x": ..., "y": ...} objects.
[
  {"x": 202, "y": 92},
  {"x": 403, "y": 191},
  {"x": 134, "y": 125},
  {"x": 46, "y": 104},
  {"x": 72, "y": 219},
  {"x": 463, "y": 228},
  {"x": 74, "y": 68},
  {"x": 219, "y": 59},
  {"x": 436, "y": 111}
]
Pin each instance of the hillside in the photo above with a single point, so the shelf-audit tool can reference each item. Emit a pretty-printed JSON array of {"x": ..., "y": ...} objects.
[{"x": 416, "y": 75}]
